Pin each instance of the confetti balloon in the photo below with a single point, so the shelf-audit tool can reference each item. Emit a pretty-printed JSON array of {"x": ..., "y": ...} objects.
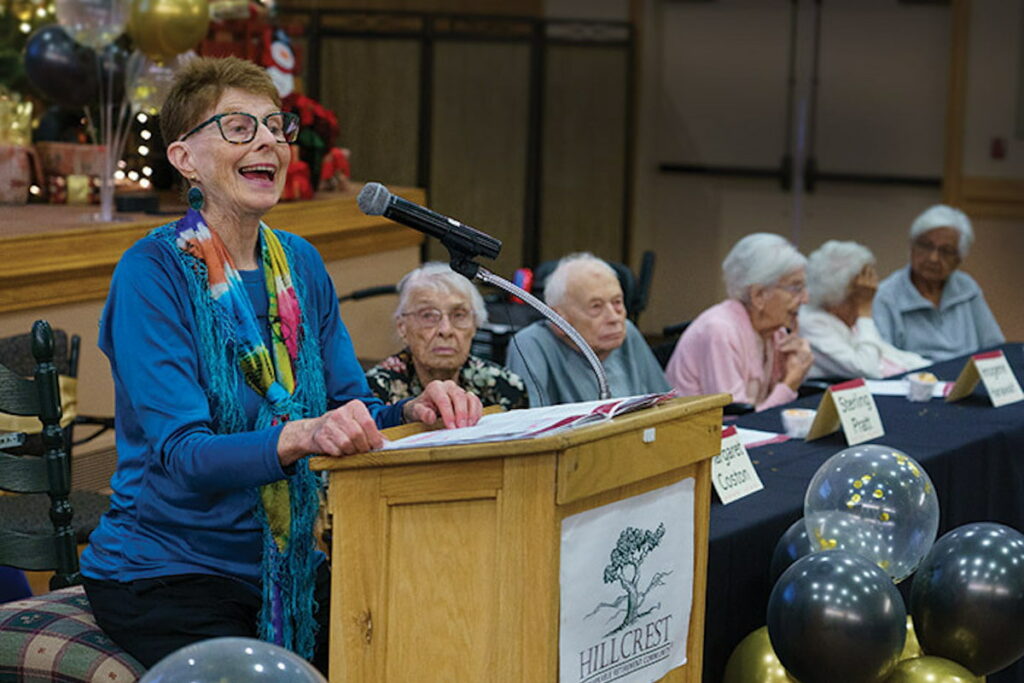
[
  {"x": 836, "y": 617},
  {"x": 93, "y": 23},
  {"x": 153, "y": 81},
  {"x": 874, "y": 501},
  {"x": 968, "y": 597}
]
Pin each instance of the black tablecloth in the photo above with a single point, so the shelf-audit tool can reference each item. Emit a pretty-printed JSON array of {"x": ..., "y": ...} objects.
[{"x": 974, "y": 454}]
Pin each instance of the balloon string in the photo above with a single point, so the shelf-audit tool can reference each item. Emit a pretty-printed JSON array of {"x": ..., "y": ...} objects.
[
  {"x": 123, "y": 122},
  {"x": 90, "y": 124},
  {"x": 106, "y": 97},
  {"x": 124, "y": 115}
]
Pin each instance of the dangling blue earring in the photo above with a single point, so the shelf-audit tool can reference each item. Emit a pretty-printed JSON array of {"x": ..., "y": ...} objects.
[{"x": 195, "y": 198}]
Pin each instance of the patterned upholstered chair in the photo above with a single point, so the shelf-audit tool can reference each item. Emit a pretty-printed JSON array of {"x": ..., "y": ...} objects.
[{"x": 51, "y": 637}]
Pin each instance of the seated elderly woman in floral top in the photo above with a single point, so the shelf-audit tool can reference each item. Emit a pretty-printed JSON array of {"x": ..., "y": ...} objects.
[{"x": 437, "y": 316}]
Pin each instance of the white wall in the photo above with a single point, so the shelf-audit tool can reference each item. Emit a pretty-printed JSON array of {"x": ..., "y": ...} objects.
[
  {"x": 710, "y": 93},
  {"x": 993, "y": 88}
]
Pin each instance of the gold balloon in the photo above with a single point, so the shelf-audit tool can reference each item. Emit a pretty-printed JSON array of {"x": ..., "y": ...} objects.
[
  {"x": 23, "y": 10},
  {"x": 754, "y": 661},
  {"x": 162, "y": 29},
  {"x": 911, "y": 648},
  {"x": 931, "y": 670}
]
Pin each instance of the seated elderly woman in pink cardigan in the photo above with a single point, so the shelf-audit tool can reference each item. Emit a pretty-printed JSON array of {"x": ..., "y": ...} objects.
[{"x": 747, "y": 345}]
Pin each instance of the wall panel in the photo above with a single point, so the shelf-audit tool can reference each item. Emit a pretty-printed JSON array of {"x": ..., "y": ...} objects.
[
  {"x": 479, "y": 142},
  {"x": 373, "y": 86},
  {"x": 583, "y": 148}
]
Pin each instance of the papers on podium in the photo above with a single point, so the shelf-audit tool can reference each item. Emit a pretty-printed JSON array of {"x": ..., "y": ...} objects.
[{"x": 530, "y": 423}]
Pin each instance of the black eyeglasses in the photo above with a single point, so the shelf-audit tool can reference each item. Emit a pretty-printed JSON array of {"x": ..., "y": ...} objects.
[{"x": 238, "y": 127}]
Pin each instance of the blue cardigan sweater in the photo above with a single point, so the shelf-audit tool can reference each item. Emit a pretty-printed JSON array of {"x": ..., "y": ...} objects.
[{"x": 185, "y": 498}]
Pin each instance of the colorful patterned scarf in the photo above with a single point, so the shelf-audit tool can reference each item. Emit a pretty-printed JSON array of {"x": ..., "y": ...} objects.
[{"x": 289, "y": 376}]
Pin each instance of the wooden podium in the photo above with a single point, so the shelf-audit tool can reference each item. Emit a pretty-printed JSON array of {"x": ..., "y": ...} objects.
[{"x": 446, "y": 561}]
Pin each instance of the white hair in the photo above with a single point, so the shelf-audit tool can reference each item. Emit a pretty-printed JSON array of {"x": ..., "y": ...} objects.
[
  {"x": 831, "y": 268},
  {"x": 942, "y": 216},
  {"x": 758, "y": 259},
  {"x": 557, "y": 284},
  {"x": 439, "y": 277}
]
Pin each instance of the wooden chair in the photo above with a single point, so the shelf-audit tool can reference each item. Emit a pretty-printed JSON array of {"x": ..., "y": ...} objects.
[
  {"x": 32, "y": 474},
  {"x": 53, "y": 636},
  {"x": 16, "y": 354},
  {"x": 27, "y": 513}
]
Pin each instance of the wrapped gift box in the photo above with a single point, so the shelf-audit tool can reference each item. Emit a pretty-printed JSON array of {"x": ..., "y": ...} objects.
[
  {"x": 18, "y": 166},
  {"x": 68, "y": 158}
]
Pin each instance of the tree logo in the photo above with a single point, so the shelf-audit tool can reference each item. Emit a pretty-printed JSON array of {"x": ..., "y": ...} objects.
[{"x": 626, "y": 558}]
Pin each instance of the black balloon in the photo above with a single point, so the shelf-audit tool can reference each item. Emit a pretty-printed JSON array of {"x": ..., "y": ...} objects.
[
  {"x": 836, "y": 617},
  {"x": 61, "y": 70},
  {"x": 967, "y": 598},
  {"x": 791, "y": 546}
]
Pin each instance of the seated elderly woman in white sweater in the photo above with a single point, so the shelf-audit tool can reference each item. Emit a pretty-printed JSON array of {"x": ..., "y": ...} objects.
[{"x": 841, "y": 284}]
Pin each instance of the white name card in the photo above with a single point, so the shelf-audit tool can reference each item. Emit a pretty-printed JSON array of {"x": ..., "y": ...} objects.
[
  {"x": 993, "y": 370},
  {"x": 850, "y": 406},
  {"x": 732, "y": 473}
]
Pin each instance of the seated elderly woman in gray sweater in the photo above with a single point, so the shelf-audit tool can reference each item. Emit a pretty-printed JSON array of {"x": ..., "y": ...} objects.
[
  {"x": 841, "y": 283},
  {"x": 929, "y": 307}
]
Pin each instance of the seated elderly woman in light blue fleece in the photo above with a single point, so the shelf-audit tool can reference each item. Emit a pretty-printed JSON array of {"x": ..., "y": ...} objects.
[
  {"x": 929, "y": 307},
  {"x": 841, "y": 284}
]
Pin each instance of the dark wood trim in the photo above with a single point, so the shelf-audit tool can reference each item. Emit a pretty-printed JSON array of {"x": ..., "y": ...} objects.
[
  {"x": 629, "y": 147},
  {"x": 533, "y": 194},
  {"x": 956, "y": 102}
]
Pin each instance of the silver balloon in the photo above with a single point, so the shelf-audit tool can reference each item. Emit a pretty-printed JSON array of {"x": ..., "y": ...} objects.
[
  {"x": 232, "y": 660},
  {"x": 93, "y": 23},
  {"x": 968, "y": 597},
  {"x": 836, "y": 617},
  {"x": 874, "y": 501}
]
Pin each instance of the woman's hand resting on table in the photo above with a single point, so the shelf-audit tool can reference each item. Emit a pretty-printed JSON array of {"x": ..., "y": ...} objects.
[{"x": 445, "y": 401}]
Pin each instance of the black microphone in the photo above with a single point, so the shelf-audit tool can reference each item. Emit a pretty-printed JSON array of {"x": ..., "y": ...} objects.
[{"x": 460, "y": 240}]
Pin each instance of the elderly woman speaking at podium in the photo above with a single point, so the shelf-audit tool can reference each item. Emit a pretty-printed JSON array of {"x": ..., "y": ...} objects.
[{"x": 230, "y": 365}]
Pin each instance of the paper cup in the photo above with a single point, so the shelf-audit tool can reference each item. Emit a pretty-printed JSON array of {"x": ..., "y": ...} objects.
[
  {"x": 797, "y": 422},
  {"x": 921, "y": 386}
]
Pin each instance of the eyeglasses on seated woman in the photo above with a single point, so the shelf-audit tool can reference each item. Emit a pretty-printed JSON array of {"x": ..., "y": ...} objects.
[{"x": 438, "y": 314}]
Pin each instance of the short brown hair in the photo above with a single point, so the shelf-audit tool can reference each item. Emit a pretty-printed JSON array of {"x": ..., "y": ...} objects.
[{"x": 200, "y": 84}]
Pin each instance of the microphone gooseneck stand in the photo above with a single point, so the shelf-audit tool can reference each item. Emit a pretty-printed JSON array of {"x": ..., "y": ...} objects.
[
  {"x": 464, "y": 244},
  {"x": 468, "y": 268}
]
